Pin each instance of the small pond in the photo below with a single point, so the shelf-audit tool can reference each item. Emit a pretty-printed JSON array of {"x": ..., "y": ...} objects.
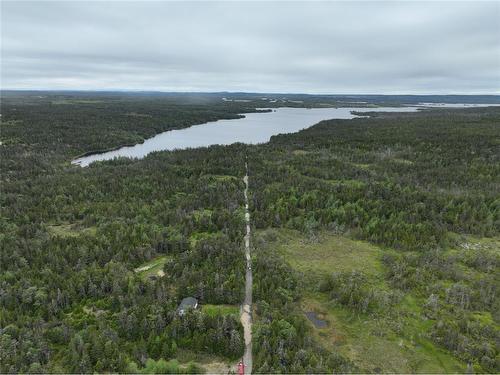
[{"x": 318, "y": 323}]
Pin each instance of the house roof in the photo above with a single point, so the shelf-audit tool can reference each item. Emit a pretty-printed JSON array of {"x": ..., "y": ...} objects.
[{"x": 188, "y": 302}]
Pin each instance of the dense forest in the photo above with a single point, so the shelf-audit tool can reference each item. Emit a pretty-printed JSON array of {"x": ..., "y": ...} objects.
[
  {"x": 72, "y": 238},
  {"x": 76, "y": 292},
  {"x": 416, "y": 183}
]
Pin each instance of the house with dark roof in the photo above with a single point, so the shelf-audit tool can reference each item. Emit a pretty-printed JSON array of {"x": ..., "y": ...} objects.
[{"x": 186, "y": 304}]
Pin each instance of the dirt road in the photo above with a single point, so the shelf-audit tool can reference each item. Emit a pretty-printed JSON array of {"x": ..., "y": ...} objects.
[{"x": 246, "y": 310}]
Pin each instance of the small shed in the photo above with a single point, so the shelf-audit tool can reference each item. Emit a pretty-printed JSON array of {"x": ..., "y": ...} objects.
[{"x": 186, "y": 304}]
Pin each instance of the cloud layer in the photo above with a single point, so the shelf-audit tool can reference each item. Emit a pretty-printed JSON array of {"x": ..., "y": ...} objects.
[{"x": 313, "y": 47}]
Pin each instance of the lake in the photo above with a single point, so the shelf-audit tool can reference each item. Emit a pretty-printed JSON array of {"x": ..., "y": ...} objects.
[{"x": 254, "y": 128}]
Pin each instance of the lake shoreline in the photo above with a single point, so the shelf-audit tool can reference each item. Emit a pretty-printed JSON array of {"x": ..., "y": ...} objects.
[
  {"x": 257, "y": 126},
  {"x": 80, "y": 160},
  {"x": 103, "y": 151}
]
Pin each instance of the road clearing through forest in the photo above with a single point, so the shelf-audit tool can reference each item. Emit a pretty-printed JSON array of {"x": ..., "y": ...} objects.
[{"x": 246, "y": 309}]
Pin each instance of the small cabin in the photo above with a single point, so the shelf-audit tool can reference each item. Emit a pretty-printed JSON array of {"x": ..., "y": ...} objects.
[{"x": 186, "y": 304}]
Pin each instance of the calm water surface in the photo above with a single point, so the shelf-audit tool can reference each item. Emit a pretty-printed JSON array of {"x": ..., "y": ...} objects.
[
  {"x": 318, "y": 323},
  {"x": 254, "y": 128}
]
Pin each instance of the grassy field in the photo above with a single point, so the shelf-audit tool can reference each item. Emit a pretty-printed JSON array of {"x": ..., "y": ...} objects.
[
  {"x": 69, "y": 230},
  {"x": 76, "y": 101},
  {"x": 330, "y": 253},
  {"x": 153, "y": 267},
  {"x": 214, "y": 310},
  {"x": 395, "y": 341},
  {"x": 211, "y": 364}
]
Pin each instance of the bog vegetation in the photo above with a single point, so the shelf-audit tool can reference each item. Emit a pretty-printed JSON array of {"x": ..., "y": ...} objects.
[{"x": 81, "y": 247}]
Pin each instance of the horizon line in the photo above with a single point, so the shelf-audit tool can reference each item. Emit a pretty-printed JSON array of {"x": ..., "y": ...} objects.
[{"x": 243, "y": 92}]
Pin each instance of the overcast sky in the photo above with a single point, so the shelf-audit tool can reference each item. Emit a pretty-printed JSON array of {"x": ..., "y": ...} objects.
[{"x": 311, "y": 47}]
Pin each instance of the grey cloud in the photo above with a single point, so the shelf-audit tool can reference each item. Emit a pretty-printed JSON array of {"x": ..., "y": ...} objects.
[{"x": 316, "y": 47}]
